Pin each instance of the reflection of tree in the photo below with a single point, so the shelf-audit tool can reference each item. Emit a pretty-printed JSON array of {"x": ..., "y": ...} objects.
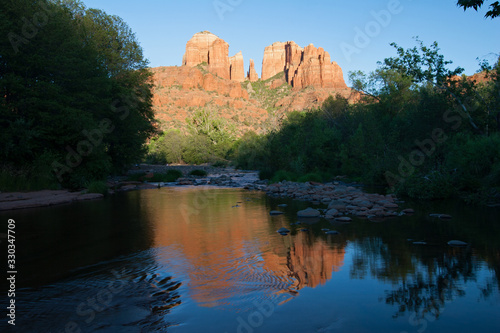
[
  {"x": 372, "y": 255},
  {"x": 426, "y": 277},
  {"x": 425, "y": 292}
]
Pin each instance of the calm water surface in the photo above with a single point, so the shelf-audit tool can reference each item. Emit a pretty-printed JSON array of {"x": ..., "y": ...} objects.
[{"x": 210, "y": 260}]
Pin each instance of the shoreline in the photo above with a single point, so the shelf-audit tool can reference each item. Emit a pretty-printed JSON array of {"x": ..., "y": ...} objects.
[
  {"x": 343, "y": 198},
  {"x": 222, "y": 178}
]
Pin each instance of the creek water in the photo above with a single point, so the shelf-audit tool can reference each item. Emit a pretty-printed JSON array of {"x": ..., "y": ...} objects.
[{"x": 210, "y": 260}]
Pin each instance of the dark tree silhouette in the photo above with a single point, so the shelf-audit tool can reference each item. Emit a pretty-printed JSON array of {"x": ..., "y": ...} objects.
[{"x": 476, "y": 4}]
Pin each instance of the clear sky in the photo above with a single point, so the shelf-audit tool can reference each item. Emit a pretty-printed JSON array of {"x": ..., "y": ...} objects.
[{"x": 357, "y": 33}]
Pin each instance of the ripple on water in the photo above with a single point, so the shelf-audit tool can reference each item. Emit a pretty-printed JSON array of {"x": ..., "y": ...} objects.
[
  {"x": 130, "y": 294},
  {"x": 235, "y": 282},
  {"x": 136, "y": 293}
]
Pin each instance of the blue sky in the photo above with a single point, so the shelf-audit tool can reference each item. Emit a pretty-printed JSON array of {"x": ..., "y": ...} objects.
[{"x": 357, "y": 34}]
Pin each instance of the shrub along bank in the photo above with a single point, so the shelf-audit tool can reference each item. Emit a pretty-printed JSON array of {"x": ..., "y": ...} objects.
[{"x": 421, "y": 130}]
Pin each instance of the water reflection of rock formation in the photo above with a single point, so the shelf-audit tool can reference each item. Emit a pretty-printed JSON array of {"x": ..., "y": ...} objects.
[
  {"x": 233, "y": 254},
  {"x": 312, "y": 262}
]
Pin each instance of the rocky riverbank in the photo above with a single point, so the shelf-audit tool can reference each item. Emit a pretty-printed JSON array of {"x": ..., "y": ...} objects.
[
  {"x": 21, "y": 200},
  {"x": 342, "y": 200},
  {"x": 221, "y": 177}
]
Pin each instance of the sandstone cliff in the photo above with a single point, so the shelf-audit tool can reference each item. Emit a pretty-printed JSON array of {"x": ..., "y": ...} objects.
[
  {"x": 303, "y": 67},
  {"x": 274, "y": 60},
  {"x": 252, "y": 75},
  {"x": 218, "y": 59},
  {"x": 310, "y": 66},
  {"x": 197, "y": 48},
  {"x": 205, "y": 47},
  {"x": 237, "y": 67}
]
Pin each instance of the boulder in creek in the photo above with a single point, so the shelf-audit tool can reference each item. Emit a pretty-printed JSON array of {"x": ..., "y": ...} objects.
[
  {"x": 343, "y": 219},
  {"x": 457, "y": 243},
  {"x": 283, "y": 231},
  {"x": 309, "y": 212}
]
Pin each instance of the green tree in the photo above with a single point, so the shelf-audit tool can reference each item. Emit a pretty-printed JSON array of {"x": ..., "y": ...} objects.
[
  {"x": 476, "y": 4},
  {"x": 213, "y": 130},
  {"x": 122, "y": 57},
  {"x": 168, "y": 147},
  {"x": 60, "y": 84},
  {"x": 51, "y": 83},
  {"x": 424, "y": 65}
]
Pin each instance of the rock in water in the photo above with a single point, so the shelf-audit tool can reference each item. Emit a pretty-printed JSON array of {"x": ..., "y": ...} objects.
[
  {"x": 332, "y": 232},
  {"x": 309, "y": 212},
  {"x": 275, "y": 212},
  {"x": 441, "y": 216},
  {"x": 457, "y": 243},
  {"x": 338, "y": 205},
  {"x": 283, "y": 231},
  {"x": 331, "y": 213}
]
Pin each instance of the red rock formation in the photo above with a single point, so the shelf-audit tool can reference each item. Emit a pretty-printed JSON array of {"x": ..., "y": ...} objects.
[
  {"x": 317, "y": 70},
  {"x": 274, "y": 60},
  {"x": 180, "y": 89},
  {"x": 218, "y": 59},
  {"x": 237, "y": 67},
  {"x": 293, "y": 59},
  {"x": 303, "y": 67},
  {"x": 210, "y": 79},
  {"x": 197, "y": 48},
  {"x": 205, "y": 47},
  {"x": 310, "y": 66},
  {"x": 187, "y": 78},
  {"x": 252, "y": 75}
]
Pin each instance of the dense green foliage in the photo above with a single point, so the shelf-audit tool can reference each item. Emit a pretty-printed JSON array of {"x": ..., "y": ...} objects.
[
  {"x": 420, "y": 129},
  {"x": 169, "y": 176},
  {"x": 198, "y": 173},
  {"x": 76, "y": 99},
  {"x": 209, "y": 140},
  {"x": 97, "y": 186}
]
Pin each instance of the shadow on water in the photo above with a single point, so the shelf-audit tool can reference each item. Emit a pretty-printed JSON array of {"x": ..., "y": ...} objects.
[
  {"x": 51, "y": 242},
  {"x": 204, "y": 259},
  {"x": 128, "y": 294}
]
